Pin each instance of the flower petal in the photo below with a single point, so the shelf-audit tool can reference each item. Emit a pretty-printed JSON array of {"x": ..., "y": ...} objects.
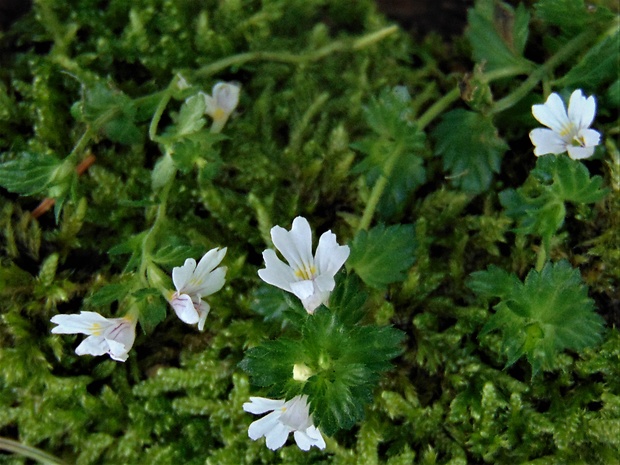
[
  {"x": 82, "y": 323},
  {"x": 302, "y": 289},
  {"x": 181, "y": 275},
  {"x": 581, "y": 111},
  {"x": 123, "y": 332},
  {"x": 213, "y": 283},
  {"x": 117, "y": 350},
  {"x": 276, "y": 272},
  {"x": 296, "y": 245},
  {"x": 277, "y": 436},
  {"x": 226, "y": 96},
  {"x": 330, "y": 256},
  {"x": 552, "y": 113},
  {"x": 262, "y": 404},
  {"x": 208, "y": 262},
  {"x": 579, "y": 153},
  {"x": 203, "y": 312},
  {"x": 546, "y": 141},
  {"x": 93, "y": 345},
  {"x": 590, "y": 137},
  {"x": 263, "y": 426},
  {"x": 184, "y": 308}
]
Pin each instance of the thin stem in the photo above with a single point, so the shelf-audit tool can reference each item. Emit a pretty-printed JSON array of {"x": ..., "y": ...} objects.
[
  {"x": 438, "y": 108},
  {"x": 159, "y": 111},
  {"x": 286, "y": 57},
  {"x": 30, "y": 452},
  {"x": 570, "y": 49},
  {"x": 378, "y": 189}
]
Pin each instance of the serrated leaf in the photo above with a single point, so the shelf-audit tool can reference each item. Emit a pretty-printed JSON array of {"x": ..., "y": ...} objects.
[
  {"x": 598, "y": 66},
  {"x": 29, "y": 173},
  {"x": 348, "y": 298},
  {"x": 570, "y": 16},
  {"x": 109, "y": 293},
  {"x": 271, "y": 363},
  {"x": 572, "y": 182},
  {"x": 539, "y": 206},
  {"x": 548, "y": 313},
  {"x": 498, "y": 34},
  {"x": 152, "y": 308},
  {"x": 173, "y": 251},
  {"x": 382, "y": 255},
  {"x": 471, "y": 149},
  {"x": 493, "y": 282}
]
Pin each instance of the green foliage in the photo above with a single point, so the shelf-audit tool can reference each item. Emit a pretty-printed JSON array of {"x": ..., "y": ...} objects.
[
  {"x": 539, "y": 206},
  {"x": 393, "y": 151},
  {"x": 546, "y": 314},
  {"x": 345, "y": 362},
  {"x": 382, "y": 255},
  {"x": 470, "y": 148},
  {"x": 498, "y": 34},
  {"x": 315, "y": 75}
]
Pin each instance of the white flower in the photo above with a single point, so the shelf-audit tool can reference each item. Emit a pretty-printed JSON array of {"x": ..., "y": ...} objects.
[
  {"x": 113, "y": 336},
  {"x": 310, "y": 279},
  {"x": 223, "y": 102},
  {"x": 193, "y": 282},
  {"x": 569, "y": 132},
  {"x": 292, "y": 416}
]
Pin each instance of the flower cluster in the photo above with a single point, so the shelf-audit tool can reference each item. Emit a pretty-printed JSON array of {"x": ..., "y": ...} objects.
[
  {"x": 569, "y": 132},
  {"x": 311, "y": 279},
  {"x": 115, "y": 336}
]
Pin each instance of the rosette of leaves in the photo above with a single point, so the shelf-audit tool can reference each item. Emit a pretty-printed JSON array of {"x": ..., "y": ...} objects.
[
  {"x": 340, "y": 360},
  {"x": 547, "y": 313}
]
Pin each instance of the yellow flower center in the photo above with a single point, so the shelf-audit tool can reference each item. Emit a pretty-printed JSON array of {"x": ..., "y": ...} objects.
[
  {"x": 95, "y": 329},
  {"x": 306, "y": 273}
]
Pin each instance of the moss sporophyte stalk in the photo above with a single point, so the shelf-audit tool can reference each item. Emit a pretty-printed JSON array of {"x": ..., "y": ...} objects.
[{"x": 290, "y": 232}]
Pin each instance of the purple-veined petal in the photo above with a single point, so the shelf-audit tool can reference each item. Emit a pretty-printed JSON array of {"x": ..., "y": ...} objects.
[{"x": 184, "y": 308}]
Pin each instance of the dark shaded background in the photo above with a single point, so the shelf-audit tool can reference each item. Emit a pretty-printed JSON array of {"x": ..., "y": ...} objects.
[{"x": 447, "y": 17}]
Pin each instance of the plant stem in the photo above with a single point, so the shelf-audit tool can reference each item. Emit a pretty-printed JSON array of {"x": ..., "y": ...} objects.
[
  {"x": 570, "y": 49},
  {"x": 286, "y": 57},
  {"x": 378, "y": 189},
  {"x": 29, "y": 452},
  {"x": 437, "y": 108}
]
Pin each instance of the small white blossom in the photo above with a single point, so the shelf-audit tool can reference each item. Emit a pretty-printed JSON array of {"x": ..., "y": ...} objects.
[
  {"x": 569, "y": 132},
  {"x": 113, "y": 336},
  {"x": 288, "y": 417},
  {"x": 311, "y": 279},
  {"x": 223, "y": 102},
  {"x": 193, "y": 282}
]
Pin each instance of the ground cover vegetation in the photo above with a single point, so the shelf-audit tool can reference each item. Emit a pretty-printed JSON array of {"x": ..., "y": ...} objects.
[{"x": 395, "y": 250}]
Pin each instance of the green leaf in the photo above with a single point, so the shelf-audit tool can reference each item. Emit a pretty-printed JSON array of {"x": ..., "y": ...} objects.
[
  {"x": 598, "y": 66},
  {"x": 191, "y": 116},
  {"x": 347, "y": 300},
  {"x": 470, "y": 148},
  {"x": 548, "y": 313},
  {"x": 571, "y": 16},
  {"x": 271, "y": 364},
  {"x": 109, "y": 293},
  {"x": 109, "y": 110},
  {"x": 163, "y": 172},
  {"x": 30, "y": 173},
  {"x": 152, "y": 308},
  {"x": 498, "y": 34},
  {"x": 494, "y": 282},
  {"x": 539, "y": 205},
  {"x": 382, "y": 255}
]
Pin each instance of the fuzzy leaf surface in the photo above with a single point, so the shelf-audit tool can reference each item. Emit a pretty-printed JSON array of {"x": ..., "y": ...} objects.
[
  {"x": 383, "y": 255},
  {"x": 470, "y": 148}
]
